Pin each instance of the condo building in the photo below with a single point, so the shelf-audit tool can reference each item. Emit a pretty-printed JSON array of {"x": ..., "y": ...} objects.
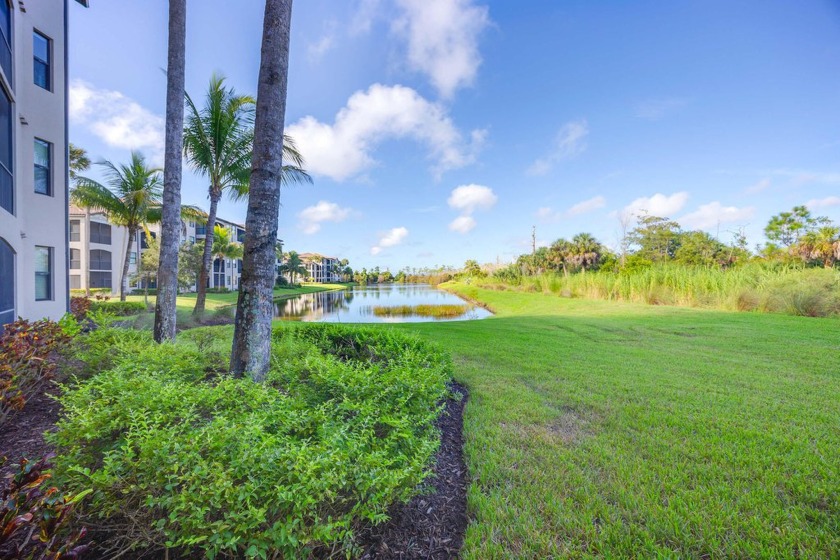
[{"x": 33, "y": 159}]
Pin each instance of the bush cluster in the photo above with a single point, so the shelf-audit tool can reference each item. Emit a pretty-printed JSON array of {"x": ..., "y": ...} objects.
[
  {"x": 182, "y": 456},
  {"x": 119, "y": 308},
  {"x": 27, "y": 352}
]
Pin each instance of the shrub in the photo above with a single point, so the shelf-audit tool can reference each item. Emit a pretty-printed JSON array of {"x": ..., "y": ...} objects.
[
  {"x": 180, "y": 456},
  {"x": 79, "y": 307},
  {"x": 29, "y": 507},
  {"x": 26, "y": 361},
  {"x": 119, "y": 308}
]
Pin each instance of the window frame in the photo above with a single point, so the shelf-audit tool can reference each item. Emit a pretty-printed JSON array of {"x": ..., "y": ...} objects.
[
  {"x": 48, "y": 274},
  {"x": 77, "y": 261},
  {"x": 47, "y": 63},
  {"x": 96, "y": 233},
  {"x": 49, "y": 167},
  {"x": 78, "y": 232},
  {"x": 98, "y": 260},
  {"x": 10, "y": 170},
  {"x": 12, "y": 311},
  {"x": 8, "y": 44}
]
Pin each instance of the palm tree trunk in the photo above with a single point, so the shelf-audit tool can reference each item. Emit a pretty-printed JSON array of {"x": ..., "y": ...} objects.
[
  {"x": 170, "y": 229},
  {"x": 207, "y": 258},
  {"x": 132, "y": 233},
  {"x": 255, "y": 309}
]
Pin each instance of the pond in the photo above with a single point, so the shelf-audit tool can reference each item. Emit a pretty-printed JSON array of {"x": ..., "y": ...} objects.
[{"x": 387, "y": 303}]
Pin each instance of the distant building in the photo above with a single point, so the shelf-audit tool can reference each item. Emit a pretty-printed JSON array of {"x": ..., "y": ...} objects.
[
  {"x": 33, "y": 159},
  {"x": 97, "y": 252},
  {"x": 321, "y": 269}
]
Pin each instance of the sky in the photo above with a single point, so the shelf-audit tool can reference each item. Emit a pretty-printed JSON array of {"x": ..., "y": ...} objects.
[{"x": 438, "y": 131}]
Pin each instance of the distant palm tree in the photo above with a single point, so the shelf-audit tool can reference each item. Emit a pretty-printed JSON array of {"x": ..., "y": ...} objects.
[
  {"x": 293, "y": 266},
  {"x": 131, "y": 199},
  {"x": 559, "y": 255},
  {"x": 219, "y": 144},
  {"x": 822, "y": 244},
  {"x": 585, "y": 251}
]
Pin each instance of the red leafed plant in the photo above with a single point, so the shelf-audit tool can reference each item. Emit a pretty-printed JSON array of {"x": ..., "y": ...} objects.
[
  {"x": 26, "y": 364},
  {"x": 35, "y": 518},
  {"x": 79, "y": 307}
]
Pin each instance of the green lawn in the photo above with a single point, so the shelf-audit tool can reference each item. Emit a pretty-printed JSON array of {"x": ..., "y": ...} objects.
[
  {"x": 621, "y": 430},
  {"x": 217, "y": 301}
]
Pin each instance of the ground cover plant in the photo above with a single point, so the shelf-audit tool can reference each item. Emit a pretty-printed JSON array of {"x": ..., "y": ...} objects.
[
  {"x": 437, "y": 311},
  {"x": 775, "y": 288},
  {"x": 181, "y": 456},
  {"x": 610, "y": 429}
]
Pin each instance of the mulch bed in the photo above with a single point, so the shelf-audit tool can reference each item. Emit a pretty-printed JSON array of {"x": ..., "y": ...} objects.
[
  {"x": 22, "y": 434},
  {"x": 430, "y": 526}
]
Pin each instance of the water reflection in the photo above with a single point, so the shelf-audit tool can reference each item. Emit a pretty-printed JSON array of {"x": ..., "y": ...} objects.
[{"x": 355, "y": 305}]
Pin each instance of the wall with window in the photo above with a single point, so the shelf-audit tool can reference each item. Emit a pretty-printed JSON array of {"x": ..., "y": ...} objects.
[{"x": 33, "y": 200}]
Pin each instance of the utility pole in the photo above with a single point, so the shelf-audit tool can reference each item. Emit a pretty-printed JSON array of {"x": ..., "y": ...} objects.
[{"x": 534, "y": 248}]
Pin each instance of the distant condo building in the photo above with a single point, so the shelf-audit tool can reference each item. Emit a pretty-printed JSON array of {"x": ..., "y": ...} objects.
[
  {"x": 33, "y": 159},
  {"x": 321, "y": 269}
]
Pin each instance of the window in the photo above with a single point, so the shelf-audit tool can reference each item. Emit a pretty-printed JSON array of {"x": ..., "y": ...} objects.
[
  {"x": 75, "y": 259},
  {"x": 75, "y": 230},
  {"x": 43, "y": 273},
  {"x": 100, "y": 280},
  {"x": 43, "y": 167},
  {"x": 199, "y": 229},
  {"x": 100, "y": 260},
  {"x": 6, "y": 39},
  {"x": 7, "y": 184},
  {"x": 132, "y": 257},
  {"x": 218, "y": 273},
  {"x": 100, "y": 233},
  {"x": 7, "y": 279},
  {"x": 42, "y": 47},
  {"x": 144, "y": 242},
  {"x": 75, "y": 282}
]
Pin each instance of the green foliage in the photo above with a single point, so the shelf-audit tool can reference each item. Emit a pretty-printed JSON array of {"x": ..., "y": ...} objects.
[
  {"x": 119, "y": 308},
  {"x": 787, "y": 227},
  {"x": 36, "y": 519},
  {"x": 182, "y": 456},
  {"x": 657, "y": 239},
  {"x": 27, "y": 361}
]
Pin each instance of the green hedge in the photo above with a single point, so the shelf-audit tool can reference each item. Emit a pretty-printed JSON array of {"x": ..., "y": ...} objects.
[
  {"x": 119, "y": 308},
  {"x": 180, "y": 455}
]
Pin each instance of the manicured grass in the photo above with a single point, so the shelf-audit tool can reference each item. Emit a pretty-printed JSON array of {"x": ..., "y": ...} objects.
[
  {"x": 217, "y": 301},
  {"x": 609, "y": 429}
]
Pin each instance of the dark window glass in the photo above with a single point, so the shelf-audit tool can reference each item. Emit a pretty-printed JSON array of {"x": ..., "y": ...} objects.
[
  {"x": 75, "y": 230},
  {"x": 144, "y": 243},
  {"x": 7, "y": 184},
  {"x": 7, "y": 281},
  {"x": 43, "y": 273},
  {"x": 199, "y": 229},
  {"x": 43, "y": 73},
  {"x": 100, "y": 260},
  {"x": 43, "y": 167},
  {"x": 100, "y": 233},
  {"x": 100, "y": 280},
  {"x": 6, "y": 39},
  {"x": 75, "y": 259}
]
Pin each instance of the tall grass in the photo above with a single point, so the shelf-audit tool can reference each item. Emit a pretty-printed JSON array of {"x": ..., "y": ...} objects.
[{"x": 754, "y": 287}]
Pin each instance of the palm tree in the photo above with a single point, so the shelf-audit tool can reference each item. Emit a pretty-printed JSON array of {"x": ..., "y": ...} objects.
[
  {"x": 255, "y": 306},
  {"x": 558, "y": 255},
  {"x": 131, "y": 199},
  {"x": 167, "y": 274},
  {"x": 223, "y": 246},
  {"x": 79, "y": 162},
  {"x": 293, "y": 266},
  {"x": 218, "y": 144},
  {"x": 585, "y": 251},
  {"x": 822, "y": 244}
]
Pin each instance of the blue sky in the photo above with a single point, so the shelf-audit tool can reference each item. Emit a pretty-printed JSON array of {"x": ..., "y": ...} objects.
[{"x": 442, "y": 130}]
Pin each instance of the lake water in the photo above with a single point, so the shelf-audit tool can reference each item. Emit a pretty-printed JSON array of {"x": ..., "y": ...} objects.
[{"x": 356, "y": 304}]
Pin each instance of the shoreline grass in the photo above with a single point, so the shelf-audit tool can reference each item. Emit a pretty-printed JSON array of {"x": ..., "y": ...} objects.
[
  {"x": 615, "y": 429},
  {"x": 217, "y": 300},
  {"x": 445, "y": 311}
]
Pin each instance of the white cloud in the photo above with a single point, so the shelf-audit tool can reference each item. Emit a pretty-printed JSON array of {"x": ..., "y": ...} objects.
[
  {"x": 364, "y": 17},
  {"x": 569, "y": 143},
  {"x": 708, "y": 216},
  {"x": 442, "y": 38},
  {"x": 469, "y": 198},
  {"x": 390, "y": 238},
  {"x": 587, "y": 206},
  {"x": 321, "y": 47},
  {"x": 816, "y": 204},
  {"x": 311, "y": 218},
  {"x": 343, "y": 149},
  {"x": 463, "y": 224},
  {"x": 117, "y": 120},
  {"x": 655, "y": 109},
  {"x": 761, "y": 186},
  {"x": 656, "y": 205}
]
